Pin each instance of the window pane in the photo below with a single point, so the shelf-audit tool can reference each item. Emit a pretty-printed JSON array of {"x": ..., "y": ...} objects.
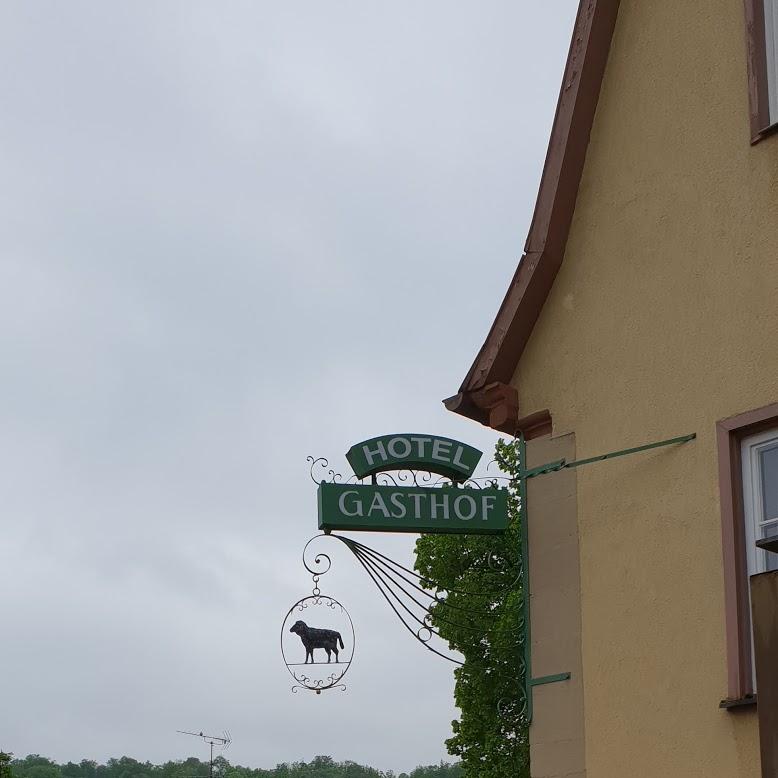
[
  {"x": 769, "y": 466},
  {"x": 769, "y": 530},
  {"x": 771, "y": 39}
]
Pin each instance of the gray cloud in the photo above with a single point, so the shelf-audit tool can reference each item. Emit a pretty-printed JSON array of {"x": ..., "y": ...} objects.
[{"x": 232, "y": 235}]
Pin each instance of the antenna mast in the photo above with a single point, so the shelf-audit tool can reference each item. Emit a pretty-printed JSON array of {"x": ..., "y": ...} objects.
[{"x": 222, "y": 741}]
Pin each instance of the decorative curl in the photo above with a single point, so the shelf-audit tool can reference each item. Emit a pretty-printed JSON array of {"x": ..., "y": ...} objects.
[
  {"x": 483, "y": 483},
  {"x": 496, "y": 562},
  {"x": 424, "y": 634},
  {"x": 384, "y": 479},
  {"x": 319, "y": 561},
  {"x": 322, "y": 464},
  {"x": 416, "y": 477},
  {"x": 333, "y": 677}
]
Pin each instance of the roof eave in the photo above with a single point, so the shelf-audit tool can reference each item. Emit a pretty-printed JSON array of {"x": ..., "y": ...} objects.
[{"x": 497, "y": 359}]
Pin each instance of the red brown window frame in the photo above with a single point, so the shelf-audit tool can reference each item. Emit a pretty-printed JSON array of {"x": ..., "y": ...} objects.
[
  {"x": 758, "y": 89},
  {"x": 729, "y": 436}
]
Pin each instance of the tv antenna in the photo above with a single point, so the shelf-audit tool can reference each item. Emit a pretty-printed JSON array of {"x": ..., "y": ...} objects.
[{"x": 222, "y": 741}]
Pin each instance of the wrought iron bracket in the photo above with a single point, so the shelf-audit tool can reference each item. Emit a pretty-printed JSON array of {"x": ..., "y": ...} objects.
[
  {"x": 562, "y": 464},
  {"x": 410, "y": 596},
  {"x": 522, "y": 477},
  {"x": 544, "y": 679}
]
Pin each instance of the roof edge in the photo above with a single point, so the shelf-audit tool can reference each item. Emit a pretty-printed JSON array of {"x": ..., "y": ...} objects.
[{"x": 579, "y": 94}]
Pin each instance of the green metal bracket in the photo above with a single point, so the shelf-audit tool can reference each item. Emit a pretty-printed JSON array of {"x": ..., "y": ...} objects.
[
  {"x": 522, "y": 476},
  {"x": 562, "y": 464},
  {"x": 544, "y": 679},
  {"x": 524, "y": 529},
  {"x": 549, "y": 467}
]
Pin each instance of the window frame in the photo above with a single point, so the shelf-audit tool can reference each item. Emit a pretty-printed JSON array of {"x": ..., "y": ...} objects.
[
  {"x": 758, "y": 78},
  {"x": 753, "y": 508},
  {"x": 730, "y": 434}
]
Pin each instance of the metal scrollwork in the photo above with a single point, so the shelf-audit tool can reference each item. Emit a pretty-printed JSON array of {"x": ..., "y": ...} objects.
[
  {"x": 496, "y": 562},
  {"x": 415, "y": 477},
  {"x": 321, "y": 471},
  {"x": 301, "y": 641},
  {"x": 422, "y": 606},
  {"x": 319, "y": 561},
  {"x": 410, "y": 596},
  {"x": 333, "y": 632}
]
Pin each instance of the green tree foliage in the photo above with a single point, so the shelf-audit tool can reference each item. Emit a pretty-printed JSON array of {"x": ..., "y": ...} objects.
[
  {"x": 35, "y": 766},
  {"x": 480, "y": 618},
  {"x": 5, "y": 765}
]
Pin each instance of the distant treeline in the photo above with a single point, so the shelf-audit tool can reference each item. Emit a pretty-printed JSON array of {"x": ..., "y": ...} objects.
[{"x": 35, "y": 766}]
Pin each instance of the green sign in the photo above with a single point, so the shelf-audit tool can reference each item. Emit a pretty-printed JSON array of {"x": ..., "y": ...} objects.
[
  {"x": 415, "y": 452},
  {"x": 448, "y": 509}
]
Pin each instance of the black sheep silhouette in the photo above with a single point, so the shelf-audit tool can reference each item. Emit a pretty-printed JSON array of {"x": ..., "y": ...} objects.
[{"x": 317, "y": 638}]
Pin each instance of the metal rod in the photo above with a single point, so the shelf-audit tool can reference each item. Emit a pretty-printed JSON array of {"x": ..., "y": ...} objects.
[
  {"x": 560, "y": 464},
  {"x": 212, "y": 740},
  {"x": 635, "y": 450},
  {"x": 522, "y": 476},
  {"x": 380, "y": 588},
  {"x": 549, "y": 679},
  {"x": 522, "y": 487}
]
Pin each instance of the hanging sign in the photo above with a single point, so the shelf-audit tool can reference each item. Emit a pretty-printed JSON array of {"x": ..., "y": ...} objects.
[
  {"x": 449, "y": 509},
  {"x": 444, "y": 456}
]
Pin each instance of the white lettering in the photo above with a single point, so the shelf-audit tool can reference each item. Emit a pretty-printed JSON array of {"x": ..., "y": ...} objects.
[
  {"x": 417, "y": 498},
  {"x": 392, "y": 447},
  {"x": 378, "y": 504},
  {"x": 438, "y": 452},
  {"x": 458, "y": 510},
  {"x": 487, "y": 503},
  {"x": 458, "y": 459},
  {"x": 342, "y": 504},
  {"x": 395, "y": 498},
  {"x": 380, "y": 451},
  {"x": 421, "y": 442},
  {"x": 434, "y": 506}
]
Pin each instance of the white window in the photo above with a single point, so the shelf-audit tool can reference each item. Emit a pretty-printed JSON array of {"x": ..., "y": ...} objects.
[
  {"x": 759, "y": 454},
  {"x": 771, "y": 52},
  {"x": 760, "y": 497}
]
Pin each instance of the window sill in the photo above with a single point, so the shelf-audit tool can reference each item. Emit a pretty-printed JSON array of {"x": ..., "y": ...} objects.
[
  {"x": 771, "y": 129},
  {"x": 738, "y": 704},
  {"x": 769, "y": 544}
]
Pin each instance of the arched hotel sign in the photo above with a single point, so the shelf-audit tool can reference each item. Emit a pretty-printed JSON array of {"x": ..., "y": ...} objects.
[
  {"x": 449, "y": 508},
  {"x": 444, "y": 456}
]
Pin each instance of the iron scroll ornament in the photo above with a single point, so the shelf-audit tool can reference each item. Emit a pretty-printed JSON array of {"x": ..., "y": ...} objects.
[
  {"x": 321, "y": 472},
  {"x": 413, "y": 598},
  {"x": 422, "y": 606},
  {"x": 318, "y": 676},
  {"x": 299, "y": 640}
]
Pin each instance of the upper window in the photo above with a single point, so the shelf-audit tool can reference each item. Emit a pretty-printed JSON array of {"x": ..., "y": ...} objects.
[
  {"x": 762, "y": 41},
  {"x": 771, "y": 63},
  {"x": 759, "y": 457},
  {"x": 748, "y": 479}
]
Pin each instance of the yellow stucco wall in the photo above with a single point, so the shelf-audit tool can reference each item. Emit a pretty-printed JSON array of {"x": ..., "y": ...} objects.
[{"x": 662, "y": 320}]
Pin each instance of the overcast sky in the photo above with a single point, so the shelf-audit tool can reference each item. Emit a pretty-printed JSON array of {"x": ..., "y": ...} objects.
[{"x": 233, "y": 234}]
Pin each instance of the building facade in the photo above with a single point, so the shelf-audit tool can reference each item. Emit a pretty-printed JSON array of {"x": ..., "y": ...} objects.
[{"x": 645, "y": 308}]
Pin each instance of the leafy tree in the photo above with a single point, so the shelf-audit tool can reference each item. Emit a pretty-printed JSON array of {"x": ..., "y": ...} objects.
[
  {"x": 88, "y": 768},
  {"x": 480, "y": 618},
  {"x": 5, "y": 765},
  {"x": 442, "y": 770},
  {"x": 127, "y": 767},
  {"x": 35, "y": 766}
]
